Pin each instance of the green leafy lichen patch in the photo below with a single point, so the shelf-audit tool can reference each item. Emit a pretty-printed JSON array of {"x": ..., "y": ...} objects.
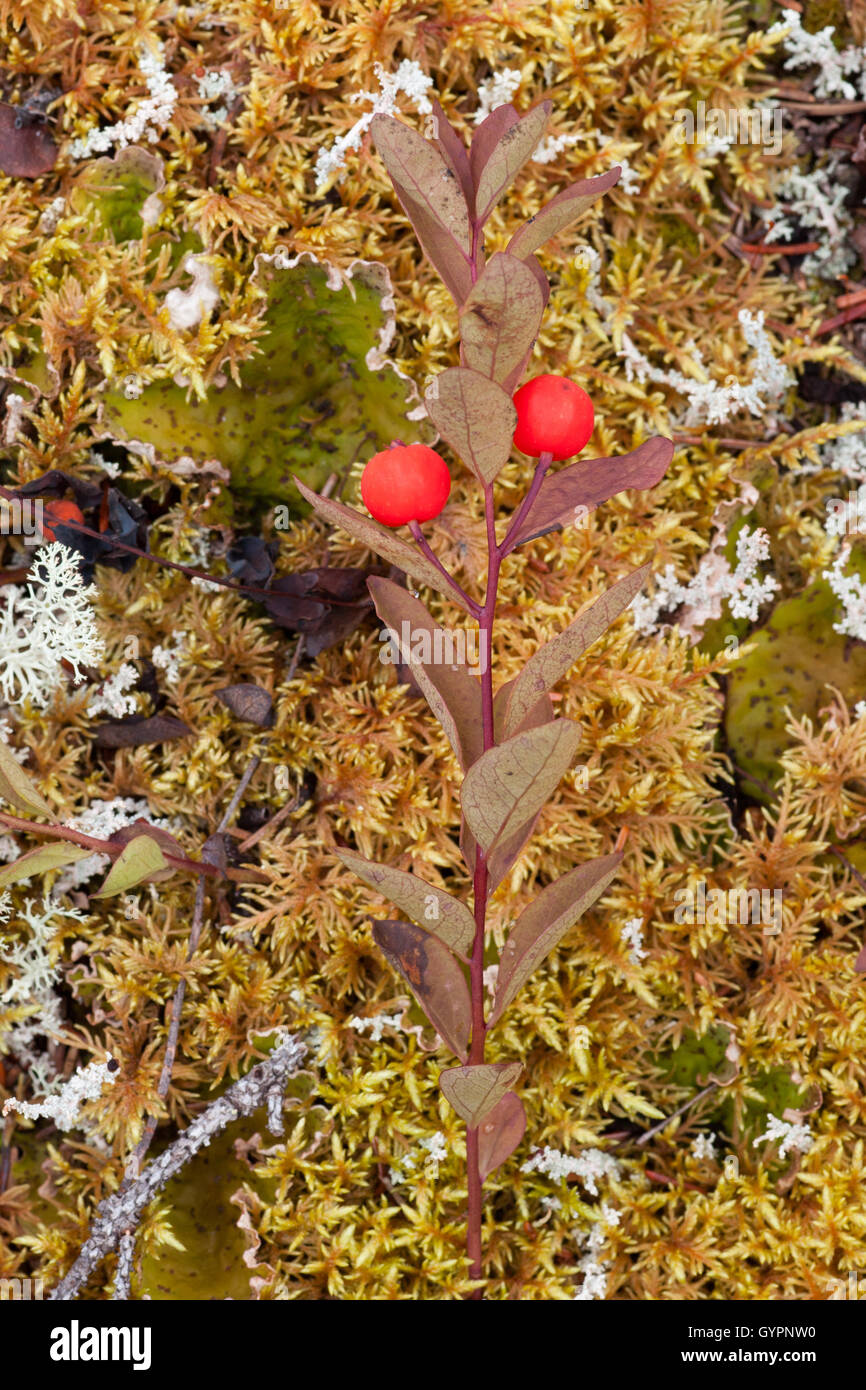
[{"x": 317, "y": 396}]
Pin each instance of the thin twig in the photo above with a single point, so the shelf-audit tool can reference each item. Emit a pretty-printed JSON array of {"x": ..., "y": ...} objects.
[
  {"x": 122, "y": 1291},
  {"x": 270, "y": 825},
  {"x": 122, "y": 1211},
  {"x": 133, "y": 1167},
  {"x": 662, "y": 1124}
]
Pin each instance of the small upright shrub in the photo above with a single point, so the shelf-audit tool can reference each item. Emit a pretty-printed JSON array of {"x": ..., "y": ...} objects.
[{"x": 510, "y": 747}]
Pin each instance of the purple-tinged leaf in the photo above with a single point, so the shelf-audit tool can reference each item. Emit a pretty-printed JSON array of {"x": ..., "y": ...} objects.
[
  {"x": 500, "y": 320},
  {"x": 560, "y": 212},
  {"x": 505, "y": 854},
  {"x": 589, "y": 481},
  {"x": 510, "y": 784},
  {"x": 434, "y": 977},
  {"x": 544, "y": 923},
  {"x": 548, "y": 664},
  {"x": 510, "y": 153},
  {"x": 541, "y": 713},
  {"x": 536, "y": 268},
  {"x": 475, "y": 1091},
  {"x": 488, "y": 134},
  {"x": 420, "y": 169},
  {"x": 475, "y": 416},
  {"x": 452, "y": 693},
  {"x": 432, "y": 198},
  {"x": 500, "y": 1133},
  {"x": 453, "y": 151},
  {"x": 431, "y": 908},
  {"x": 380, "y": 539}
]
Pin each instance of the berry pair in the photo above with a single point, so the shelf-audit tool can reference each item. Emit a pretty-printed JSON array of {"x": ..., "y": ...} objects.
[{"x": 410, "y": 482}]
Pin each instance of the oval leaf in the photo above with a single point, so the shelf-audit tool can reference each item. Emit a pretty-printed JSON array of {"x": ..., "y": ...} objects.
[
  {"x": 453, "y": 151},
  {"x": 545, "y": 922},
  {"x": 549, "y": 663},
  {"x": 475, "y": 416},
  {"x": 560, "y": 212},
  {"x": 423, "y": 175},
  {"x": 474, "y": 1091},
  {"x": 500, "y": 320},
  {"x": 55, "y": 855},
  {"x": 141, "y": 858},
  {"x": 488, "y": 134},
  {"x": 506, "y": 852},
  {"x": 511, "y": 783},
  {"x": 17, "y": 788},
  {"x": 453, "y": 924},
  {"x": 432, "y": 197},
  {"x": 434, "y": 977},
  {"x": 509, "y": 154},
  {"x": 500, "y": 1133},
  {"x": 453, "y": 695},
  {"x": 249, "y": 702},
  {"x": 377, "y": 537},
  {"x": 588, "y": 482}
]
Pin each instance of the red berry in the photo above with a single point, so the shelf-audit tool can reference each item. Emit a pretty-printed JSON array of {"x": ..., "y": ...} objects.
[
  {"x": 554, "y": 415},
  {"x": 58, "y": 512},
  {"x": 407, "y": 482}
]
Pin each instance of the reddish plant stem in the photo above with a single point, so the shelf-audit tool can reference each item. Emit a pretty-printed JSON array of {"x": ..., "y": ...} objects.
[{"x": 424, "y": 546}]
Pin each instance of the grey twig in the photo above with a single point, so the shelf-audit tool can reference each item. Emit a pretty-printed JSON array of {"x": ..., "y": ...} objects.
[
  {"x": 123, "y": 1276},
  {"x": 119, "y": 1214}
]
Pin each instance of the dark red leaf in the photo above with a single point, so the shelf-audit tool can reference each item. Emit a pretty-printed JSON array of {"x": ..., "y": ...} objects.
[
  {"x": 140, "y": 729},
  {"x": 590, "y": 481}
]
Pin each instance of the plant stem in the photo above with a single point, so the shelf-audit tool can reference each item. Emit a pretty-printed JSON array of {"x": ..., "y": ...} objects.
[
  {"x": 544, "y": 462},
  {"x": 424, "y": 545}
]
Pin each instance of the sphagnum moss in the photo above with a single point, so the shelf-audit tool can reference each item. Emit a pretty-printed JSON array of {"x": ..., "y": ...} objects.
[{"x": 328, "y": 1218}]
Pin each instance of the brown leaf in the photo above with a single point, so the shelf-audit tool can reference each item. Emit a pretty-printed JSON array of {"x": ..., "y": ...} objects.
[
  {"x": 380, "y": 539},
  {"x": 500, "y": 320},
  {"x": 544, "y": 923},
  {"x": 508, "y": 155},
  {"x": 138, "y": 729},
  {"x": 548, "y": 664},
  {"x": 475, "y": 416},
  {"x": 26, "y": 149},
  {"x": 510, "y": 784},
  {"x": 500, "y": 1133},
  {"x": 453, "y": 151},
  {"x": 590, "y": 481},
  {"x": 452, "y": 923},
  {"x": 454, "y": 696},
  {"x": 560, "y": 212},
  {"x": 325, "y": 604},
  {"x": 249, "y": 702},
  {"x": 487, "y": 135},
  {"x": 474, "y": 1091},
  {"x": 434, "y": 977}
]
